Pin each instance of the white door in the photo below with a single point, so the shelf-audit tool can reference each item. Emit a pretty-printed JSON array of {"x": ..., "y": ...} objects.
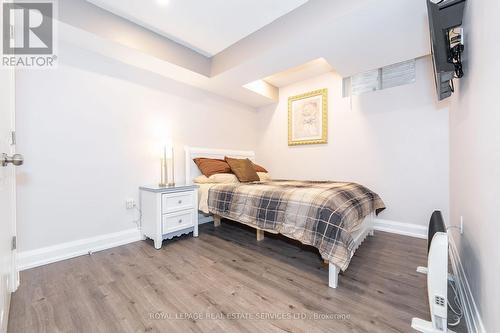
[{"x": 8, "y": 273}]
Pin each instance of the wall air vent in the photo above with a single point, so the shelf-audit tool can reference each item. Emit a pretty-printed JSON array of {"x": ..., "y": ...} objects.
[{"x": 382, "y": 78}]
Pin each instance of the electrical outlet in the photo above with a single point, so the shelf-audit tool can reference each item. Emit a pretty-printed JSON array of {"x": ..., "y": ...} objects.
[
  {"x": 461, "y": 225},
  {"x": 130, "y": 203}
]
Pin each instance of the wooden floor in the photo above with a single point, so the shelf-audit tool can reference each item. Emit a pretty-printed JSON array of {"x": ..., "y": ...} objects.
[{"x": 225, "y": 281}]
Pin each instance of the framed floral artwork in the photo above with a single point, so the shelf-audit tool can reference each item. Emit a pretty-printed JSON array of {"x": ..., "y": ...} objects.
[{"x": 308, "y": 118}]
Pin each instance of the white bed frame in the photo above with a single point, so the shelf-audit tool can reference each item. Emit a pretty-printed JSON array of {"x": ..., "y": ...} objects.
[{"x": 192, "y": 171}]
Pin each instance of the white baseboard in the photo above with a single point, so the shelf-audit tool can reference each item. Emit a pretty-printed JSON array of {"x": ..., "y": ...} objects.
[
  {"x": 471, "y": 313},
  {"x": 400, "y": 228},
  {"x": 50, "y": 254}
]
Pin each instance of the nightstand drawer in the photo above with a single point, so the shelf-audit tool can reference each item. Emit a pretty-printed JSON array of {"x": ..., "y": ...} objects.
[
  {"x": 175, "y": 221},
  {"x": 172, "y": 202}
]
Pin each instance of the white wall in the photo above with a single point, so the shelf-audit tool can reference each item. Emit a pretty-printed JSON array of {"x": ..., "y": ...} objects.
[
  {"x": 394, "y": 141},
  {"x": 475, "y": 159},
  {"x": 87, "y": 130}
]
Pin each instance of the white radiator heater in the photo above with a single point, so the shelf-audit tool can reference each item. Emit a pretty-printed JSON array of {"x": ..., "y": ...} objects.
[{"x": 437, "y": 278}]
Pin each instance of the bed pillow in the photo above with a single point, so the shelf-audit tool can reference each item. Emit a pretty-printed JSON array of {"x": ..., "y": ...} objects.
[
  {"x": 258, "y": 168},
  {"x": 243, "y": 169},
  {"x": 211, "y": 166},
  {"x": 218, "y": 178},
  {"x": 263, "y": 176}
]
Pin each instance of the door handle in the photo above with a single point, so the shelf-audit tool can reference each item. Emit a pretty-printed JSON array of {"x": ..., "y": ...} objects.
[{"x": 16, "y": 159}]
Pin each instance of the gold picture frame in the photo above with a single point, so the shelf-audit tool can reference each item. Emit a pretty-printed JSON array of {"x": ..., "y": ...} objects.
[{"x": 308, "y": 118}]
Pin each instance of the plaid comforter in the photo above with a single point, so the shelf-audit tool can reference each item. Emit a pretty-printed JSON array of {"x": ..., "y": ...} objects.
[{"x": 321, "y": 214}]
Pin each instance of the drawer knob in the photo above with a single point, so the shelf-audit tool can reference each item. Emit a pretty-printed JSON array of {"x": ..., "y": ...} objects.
[
  {"x": 179, "y": 202},
  {"x": 180, "y": 220}
]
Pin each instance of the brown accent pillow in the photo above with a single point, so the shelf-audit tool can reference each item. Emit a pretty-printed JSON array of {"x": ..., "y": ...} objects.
[
  {"x": 211, "y": 166},
  {"x": 243, "y": 169},
  {"x": 258, "y": 168}
]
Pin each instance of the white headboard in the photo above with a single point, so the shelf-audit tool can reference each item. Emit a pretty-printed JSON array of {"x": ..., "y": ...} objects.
[{"x": 192, "y": 170}]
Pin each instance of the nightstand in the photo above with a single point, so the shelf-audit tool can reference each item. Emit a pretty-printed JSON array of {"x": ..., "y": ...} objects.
[{"x": 168, "y": 212}]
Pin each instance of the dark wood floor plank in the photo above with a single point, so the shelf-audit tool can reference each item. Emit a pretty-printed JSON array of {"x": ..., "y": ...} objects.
[{"x": 224, "y": 272}]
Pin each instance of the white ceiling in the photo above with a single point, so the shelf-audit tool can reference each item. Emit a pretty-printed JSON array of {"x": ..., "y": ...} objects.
[
  {"x": 351, "y": 37},
  {"x": 300, "y": 73},
  {"x": 207, "y": 27}
]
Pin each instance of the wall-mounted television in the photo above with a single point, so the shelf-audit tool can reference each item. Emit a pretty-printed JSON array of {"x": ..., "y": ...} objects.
[{"x": 445, "y": 18}]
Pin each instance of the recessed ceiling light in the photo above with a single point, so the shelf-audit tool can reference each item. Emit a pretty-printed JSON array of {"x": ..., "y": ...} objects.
[{"x": 162, "y": 2}]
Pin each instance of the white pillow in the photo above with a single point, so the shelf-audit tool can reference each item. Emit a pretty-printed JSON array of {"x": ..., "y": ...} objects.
[
  {"x": 263, "y": 176},
  {"x": 217, "y": 178}
]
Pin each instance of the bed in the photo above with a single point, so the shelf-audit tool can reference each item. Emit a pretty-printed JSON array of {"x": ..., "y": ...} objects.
[{"x": 334, "y": 217}]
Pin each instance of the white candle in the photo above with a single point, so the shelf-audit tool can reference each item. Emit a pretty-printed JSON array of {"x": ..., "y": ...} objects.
[
  {"x": 173, "y": 166},
  {"x": 165, "y": 165},
  {"x": 162, "y": 172}
]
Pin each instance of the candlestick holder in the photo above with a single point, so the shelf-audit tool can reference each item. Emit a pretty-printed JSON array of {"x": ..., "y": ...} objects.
[{"x": 172, "y": 182}]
